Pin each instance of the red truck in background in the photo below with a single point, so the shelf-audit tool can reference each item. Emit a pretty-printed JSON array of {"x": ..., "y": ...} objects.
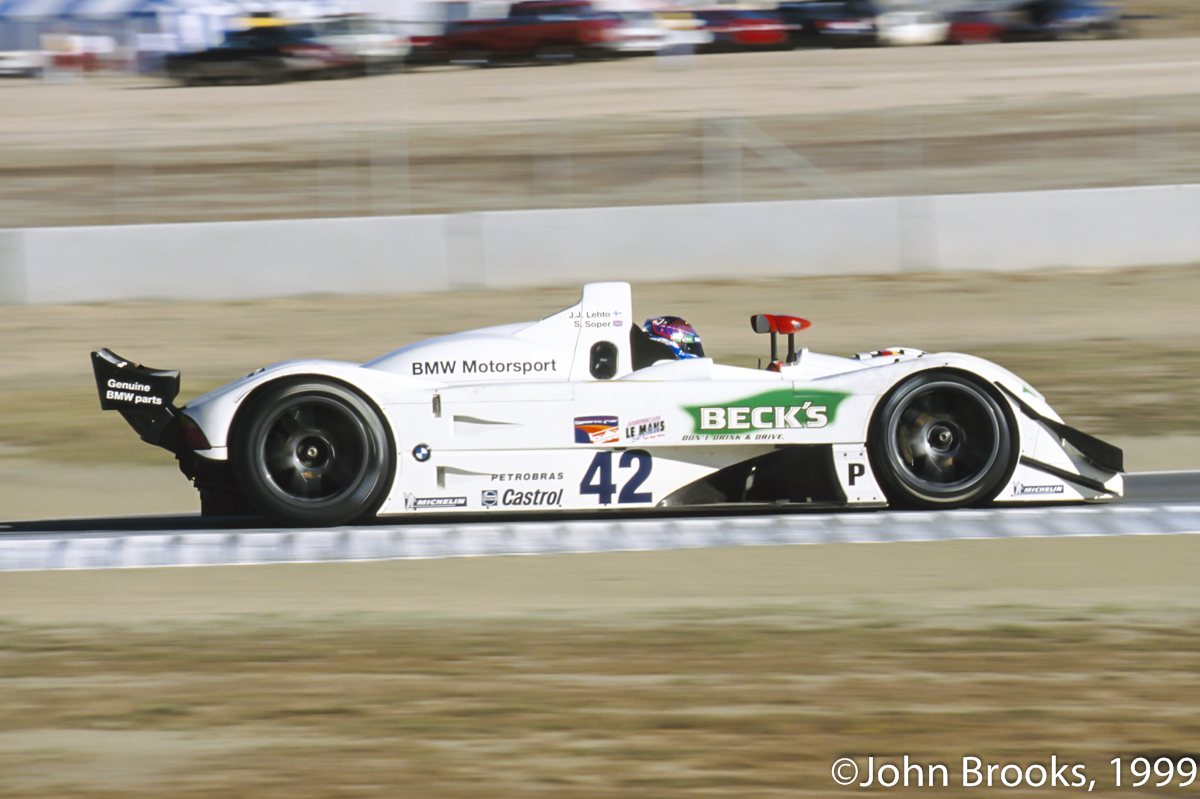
[{"x": 550, "y": 30}]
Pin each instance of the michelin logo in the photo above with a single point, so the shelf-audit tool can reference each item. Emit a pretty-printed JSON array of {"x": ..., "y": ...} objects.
[
  {"x": 439, "y": 502},
  {"x": 1020, "y": 489}
]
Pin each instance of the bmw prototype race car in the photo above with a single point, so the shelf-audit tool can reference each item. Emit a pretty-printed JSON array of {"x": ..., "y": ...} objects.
[{"x": 586, "y": 410}]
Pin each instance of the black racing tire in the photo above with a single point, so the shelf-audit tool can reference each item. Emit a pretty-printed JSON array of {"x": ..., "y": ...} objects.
[
  {"x": 313, "y": 452},
  {"x": 942, "y": 440}
]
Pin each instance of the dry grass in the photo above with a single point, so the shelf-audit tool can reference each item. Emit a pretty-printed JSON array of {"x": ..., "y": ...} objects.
[
  {"x": 60, "y": 421},
  {"x": 720, "y": 704},
  {"x": 1113, "y": 387},
  {"x": 986, "y": 145}
]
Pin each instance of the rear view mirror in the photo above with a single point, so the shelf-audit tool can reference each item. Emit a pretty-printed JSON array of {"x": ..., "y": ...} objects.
[
  {"x": 775, "y": 324},
  {"x": 762, "y": 323},
  {"x": 603, "y": 364}
]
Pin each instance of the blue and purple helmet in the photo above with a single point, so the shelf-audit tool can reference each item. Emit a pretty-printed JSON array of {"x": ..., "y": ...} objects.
[{"x": 677, "y": 334}]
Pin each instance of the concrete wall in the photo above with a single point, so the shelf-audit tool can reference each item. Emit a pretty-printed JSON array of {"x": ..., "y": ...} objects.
[
  {"x": 1140, "y": 226},
  {"x": 223, "y": 260}
]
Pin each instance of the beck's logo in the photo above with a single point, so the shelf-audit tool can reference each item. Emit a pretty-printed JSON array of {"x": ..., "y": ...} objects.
[
  {"x": 782, "y": 409},
  {"x": 778, "y": 417}
]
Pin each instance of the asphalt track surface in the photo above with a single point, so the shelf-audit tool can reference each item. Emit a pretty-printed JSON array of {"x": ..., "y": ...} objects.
[{"x": 1144, "y": 489}]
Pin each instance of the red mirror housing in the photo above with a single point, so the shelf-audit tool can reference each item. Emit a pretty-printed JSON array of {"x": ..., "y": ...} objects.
[
  {"x": 775, "y": 324},
  {"x": 778, "y": 323},
  {"x": 791, "y": 324}
]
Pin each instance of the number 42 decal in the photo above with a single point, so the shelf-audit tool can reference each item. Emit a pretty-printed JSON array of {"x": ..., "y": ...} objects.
[{"x": 599, "y": 477}]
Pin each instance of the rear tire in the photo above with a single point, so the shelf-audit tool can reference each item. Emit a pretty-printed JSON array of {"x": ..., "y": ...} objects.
[
  {"x": 313, "y": 452},
  {"x": 942, "y": 440}
]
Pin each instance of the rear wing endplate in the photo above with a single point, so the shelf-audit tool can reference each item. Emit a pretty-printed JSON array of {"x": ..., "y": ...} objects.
[{"x": 144, "y": 396}]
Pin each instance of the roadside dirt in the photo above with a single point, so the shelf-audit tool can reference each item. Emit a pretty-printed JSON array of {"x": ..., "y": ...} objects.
[{"x": 740, "y": 672}]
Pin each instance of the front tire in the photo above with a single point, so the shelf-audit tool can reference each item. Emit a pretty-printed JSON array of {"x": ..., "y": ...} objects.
[
  {"x": 942, "y": 440},
  {"x": 313, "y": 453}
]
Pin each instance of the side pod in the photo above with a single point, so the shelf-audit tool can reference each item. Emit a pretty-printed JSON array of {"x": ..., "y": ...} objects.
[{"x": 142, "y": 395}]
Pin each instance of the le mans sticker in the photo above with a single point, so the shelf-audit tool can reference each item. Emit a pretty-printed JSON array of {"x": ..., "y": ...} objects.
[{"x": 645, "y": 429}]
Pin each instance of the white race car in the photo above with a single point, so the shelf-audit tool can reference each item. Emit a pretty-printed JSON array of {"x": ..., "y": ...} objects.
[{"x": 584, "y": 410}]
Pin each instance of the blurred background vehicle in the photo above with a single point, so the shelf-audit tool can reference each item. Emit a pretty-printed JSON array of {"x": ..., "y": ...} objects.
[
  {"x": 269, "y": 52},
  {"x": 1036, "y": 20},
  {"x": 21, "y": 64},
  {"x": 1065, "y": 19},
  {"x": 359, "y": 37},
  {"x": 839, "y": 23},
  {"x": 532, "y": 31},
  {"x": 645, "y": 32},
  {"x": 367, "y": 44},
  {"x": 912, "y": 27},
  {"x": 978, "y": 26},
  {"x": 687, "y": 29},
  {"x": 79, "y": 52},
  {"x": 636, "y": 33},
  {"x": 736, "y": 29}
]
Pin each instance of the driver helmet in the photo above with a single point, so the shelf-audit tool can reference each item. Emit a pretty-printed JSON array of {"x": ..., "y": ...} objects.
[{"x": 677, "y": 334}]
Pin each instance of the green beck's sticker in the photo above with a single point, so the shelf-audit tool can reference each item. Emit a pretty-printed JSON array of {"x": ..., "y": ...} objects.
[{"x": 774, "y": 410}]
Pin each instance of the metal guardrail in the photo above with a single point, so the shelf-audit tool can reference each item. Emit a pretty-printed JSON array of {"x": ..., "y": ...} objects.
[{"x": 219, "y": 547}]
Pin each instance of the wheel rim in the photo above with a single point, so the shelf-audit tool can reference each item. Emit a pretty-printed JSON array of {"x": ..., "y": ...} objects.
[
  {"x": 314, "y": 451},
  {"x": 943, "y": 438}
]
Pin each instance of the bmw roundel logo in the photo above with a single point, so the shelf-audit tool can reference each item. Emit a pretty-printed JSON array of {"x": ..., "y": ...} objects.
[{"x": 422, "y": 452}]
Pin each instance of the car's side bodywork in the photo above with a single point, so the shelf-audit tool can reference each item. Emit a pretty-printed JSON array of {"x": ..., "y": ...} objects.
[{"x": 581, "y": 411}]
